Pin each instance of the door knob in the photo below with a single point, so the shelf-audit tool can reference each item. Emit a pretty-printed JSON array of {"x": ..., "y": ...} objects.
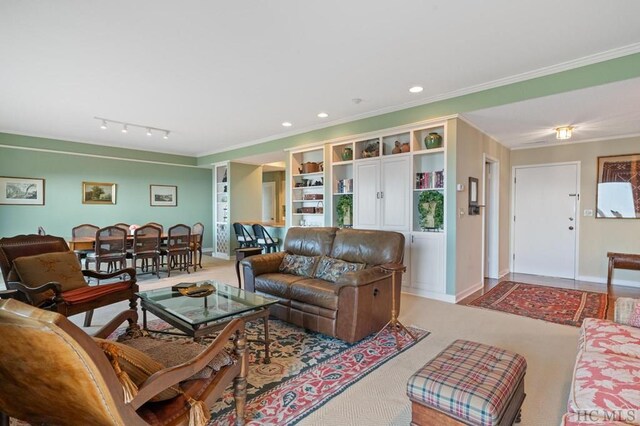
[
  {"x": 571, "y": 228},
  {"x": 571, "y": 219}
]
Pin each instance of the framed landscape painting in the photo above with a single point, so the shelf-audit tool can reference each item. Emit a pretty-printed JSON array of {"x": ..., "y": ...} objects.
[
  {"x": 21, "y": 191},
  {"x": 98, "y": 193},
  {"x": 163, "y": 195}
]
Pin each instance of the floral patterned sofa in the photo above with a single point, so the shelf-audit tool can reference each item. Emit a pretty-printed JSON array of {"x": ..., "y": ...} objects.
[{"x": 605, "y": 389}]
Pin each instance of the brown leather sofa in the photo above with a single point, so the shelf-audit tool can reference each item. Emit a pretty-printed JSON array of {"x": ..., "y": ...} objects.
[{"x": 356, "y": 305}]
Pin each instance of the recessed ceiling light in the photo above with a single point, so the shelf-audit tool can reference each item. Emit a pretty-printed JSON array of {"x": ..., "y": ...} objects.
[
  {"x": 416, "y": 89},
  {"x": 287, "y": 124},
  {"x": 323, "y": 115}
]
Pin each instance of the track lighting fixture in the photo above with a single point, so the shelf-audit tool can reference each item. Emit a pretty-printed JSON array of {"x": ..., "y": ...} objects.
[{"x": 125, "y": 127}]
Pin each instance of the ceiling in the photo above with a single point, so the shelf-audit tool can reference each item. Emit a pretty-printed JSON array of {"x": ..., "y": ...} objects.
[
  {"x": 221, "y": 75},
  {"x": 600, "y": 112}
]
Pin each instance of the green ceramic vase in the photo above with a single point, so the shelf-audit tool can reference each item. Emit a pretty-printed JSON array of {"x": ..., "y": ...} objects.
[{"x": 433, "y": 140}]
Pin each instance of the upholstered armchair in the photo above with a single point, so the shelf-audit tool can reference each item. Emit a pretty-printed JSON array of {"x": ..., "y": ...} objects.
[
  {"x": 52, "y": 372},
  {"x": 47, "y": 274}
]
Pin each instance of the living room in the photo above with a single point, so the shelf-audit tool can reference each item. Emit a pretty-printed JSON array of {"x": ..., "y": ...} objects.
[{"x": 210, "y": 102}]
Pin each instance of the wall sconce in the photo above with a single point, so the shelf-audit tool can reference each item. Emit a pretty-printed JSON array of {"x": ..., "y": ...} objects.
[{"x": 563, "y": 133}]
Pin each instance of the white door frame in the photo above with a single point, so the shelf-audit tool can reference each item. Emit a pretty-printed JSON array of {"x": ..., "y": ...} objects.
[
  {"x": 271, "y": 187},
  {"x": 494, "y": 208},
  {"x": 577, "y": 218}
]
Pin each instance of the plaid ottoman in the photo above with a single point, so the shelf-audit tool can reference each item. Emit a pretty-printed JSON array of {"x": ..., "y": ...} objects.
[{"x": 468, "y": 383}]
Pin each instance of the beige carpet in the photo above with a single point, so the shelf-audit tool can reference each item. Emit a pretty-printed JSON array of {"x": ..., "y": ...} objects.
[{"x": 380, "y": 398}]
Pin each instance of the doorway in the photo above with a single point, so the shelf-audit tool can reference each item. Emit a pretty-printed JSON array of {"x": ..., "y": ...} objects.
[
  {"x": 491, "y": 218},
  {"x": 268, "y": 201},
  {"x": 545, "y": 206}
]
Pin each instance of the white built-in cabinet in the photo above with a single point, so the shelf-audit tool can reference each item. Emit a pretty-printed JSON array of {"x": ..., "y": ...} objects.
[
  {"x": 221, "y": 219},
  {"x": 306, "y": 199}
]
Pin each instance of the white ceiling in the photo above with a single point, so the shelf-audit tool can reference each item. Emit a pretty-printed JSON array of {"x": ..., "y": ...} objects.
[
  {"x": 227, "y": 74},
  {"x": 599, "y": 112}
]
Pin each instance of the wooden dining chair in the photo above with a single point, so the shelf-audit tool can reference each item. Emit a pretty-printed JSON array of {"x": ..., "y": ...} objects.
[
  {"x": 41, "y": 231},
  {"x": 197, "y": 233},
  {"x": 110, "y": 248},
  {"x": 84, "y": 231},
  {"x": 157, "y": 225},
  {"x": 145, "y": 247},
  {"x": 178, "y": 249}
]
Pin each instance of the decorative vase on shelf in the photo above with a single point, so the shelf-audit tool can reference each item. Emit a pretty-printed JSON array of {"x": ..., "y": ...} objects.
[
  {"x": 433, "y": 140},
  {"x": 347, "y": 154}
]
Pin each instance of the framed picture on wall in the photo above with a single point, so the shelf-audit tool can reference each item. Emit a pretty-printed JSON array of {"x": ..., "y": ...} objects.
[
  {"x": 618, "y": 190},
  {"x": 21, "y": 191},
  {"x": 163, "y": 195},
  {"x": 98, "y": 193}
]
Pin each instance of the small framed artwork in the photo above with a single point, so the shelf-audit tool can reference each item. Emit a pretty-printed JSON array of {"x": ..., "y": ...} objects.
[
  {"x": 21, "y": 191},
  {"x": 618, "y": 190},
  {"x": 98, "y": 193},
  {"x": 163, "y": 195}
]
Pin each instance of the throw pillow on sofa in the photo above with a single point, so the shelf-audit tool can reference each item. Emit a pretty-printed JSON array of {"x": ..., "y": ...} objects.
[
  {"x": 298, "y": 265},
  {"x": 330, "y": 269}
]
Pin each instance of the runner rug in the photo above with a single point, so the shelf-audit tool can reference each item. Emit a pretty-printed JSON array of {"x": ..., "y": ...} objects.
[
  {"x": 307, "y": 369},
  {"x": 559, "y": 305}
]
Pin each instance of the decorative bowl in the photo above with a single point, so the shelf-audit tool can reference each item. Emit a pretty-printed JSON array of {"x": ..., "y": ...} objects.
[{"x": 202, "y": 290}]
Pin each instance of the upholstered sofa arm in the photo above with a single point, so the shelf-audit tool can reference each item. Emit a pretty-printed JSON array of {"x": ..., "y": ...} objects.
[
  {"x": 360, "y": 278},
  {"x": 254, "y": 266},
  {"x": 623, "y": 309}
]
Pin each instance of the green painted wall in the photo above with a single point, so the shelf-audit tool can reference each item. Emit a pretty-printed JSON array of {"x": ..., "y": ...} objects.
[
  {"x": 591, "y": 75},
  {"x": 63, "y": 207}
]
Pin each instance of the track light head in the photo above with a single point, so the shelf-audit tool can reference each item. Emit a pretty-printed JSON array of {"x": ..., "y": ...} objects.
[
  {"x": 166, "y": 134},
  {"x": 148, "y": 132},
  {"x": 124, "y": 128},
  {"x": 103, "y": 126}
]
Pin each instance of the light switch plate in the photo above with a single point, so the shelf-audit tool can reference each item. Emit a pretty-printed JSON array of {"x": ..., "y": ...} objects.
[
  {"x": 588, "y": 213},
  {"x": 460, "y": 187}
]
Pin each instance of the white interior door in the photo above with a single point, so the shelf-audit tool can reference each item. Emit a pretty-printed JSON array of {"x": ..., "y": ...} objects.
[
  {"x": 268, "y": 201},
  {"x": 545, "y": 227},
  {"x": 395, "y": 193},
  {"x": 366, "y": 195}
]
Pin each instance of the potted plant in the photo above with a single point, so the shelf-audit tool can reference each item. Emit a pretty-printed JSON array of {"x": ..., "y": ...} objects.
[
  {"x": 431, "y": 210},
  {"x": 344, "y": 210}
]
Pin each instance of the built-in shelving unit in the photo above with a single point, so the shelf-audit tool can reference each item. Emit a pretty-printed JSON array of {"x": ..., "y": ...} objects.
[
  {"x": 307, "y": 189},
  {"x": 221, "y": 210}
]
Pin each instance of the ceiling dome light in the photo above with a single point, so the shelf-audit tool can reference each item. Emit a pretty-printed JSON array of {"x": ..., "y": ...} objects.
[
  {"x": 416, "y": 89},
  {"x": 563, "y": 133},
  {"x": 148, "y": 132},
  {"x": 124, "y": 128},
  {"x": 166, "y": 135},
  {"x": 323, "y": 115},
  {"x": 103, "y": 126},
  {"x": 287, "y": 124}
]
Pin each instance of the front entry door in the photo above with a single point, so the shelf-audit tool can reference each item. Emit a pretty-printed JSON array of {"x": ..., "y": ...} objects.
[{"x": 545, "y": 221}]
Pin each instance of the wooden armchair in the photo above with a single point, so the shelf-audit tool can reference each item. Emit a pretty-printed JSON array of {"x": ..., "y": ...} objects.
[
  {"x": 52, "y": 295},
  {"x": 54, "y": 373}
]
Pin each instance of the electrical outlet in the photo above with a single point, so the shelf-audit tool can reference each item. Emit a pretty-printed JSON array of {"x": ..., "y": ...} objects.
[{"x": 588, "y": 213}]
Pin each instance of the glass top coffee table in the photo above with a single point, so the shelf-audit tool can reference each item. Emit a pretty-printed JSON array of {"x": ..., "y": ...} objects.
[{"x": 200, "y": 316}]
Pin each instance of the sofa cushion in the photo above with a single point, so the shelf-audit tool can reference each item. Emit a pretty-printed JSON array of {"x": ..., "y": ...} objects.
[
  {"x": 369, "y": 247},
  {"x": 330, "y": 269},
  {"x": 60, "y": 267},
  {"x": 634, "y": 318},
  {"x": 604, "y": 383},
  {"x": 298, "y": 265},
  {"x": 608, "y": 337},
  {"x": 315, "y": 292},
  {"x": 276, "y": 284},
  {"x": 309, "y": 241}
]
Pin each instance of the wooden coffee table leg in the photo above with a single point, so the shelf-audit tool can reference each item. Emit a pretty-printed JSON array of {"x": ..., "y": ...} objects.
[{"x": 267, "y": 358}]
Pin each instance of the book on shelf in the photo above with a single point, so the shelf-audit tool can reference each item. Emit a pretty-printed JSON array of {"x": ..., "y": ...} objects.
[{"x": 430, "y": 180}]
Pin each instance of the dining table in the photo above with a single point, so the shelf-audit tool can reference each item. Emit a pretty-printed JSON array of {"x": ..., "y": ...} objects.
[{"x": 88, "y": 243}]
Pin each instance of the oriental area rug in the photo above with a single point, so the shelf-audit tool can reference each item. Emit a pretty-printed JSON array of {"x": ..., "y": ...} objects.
[
  {"x": 558, "y": 305},
  {"x": 307, "y": 369}
]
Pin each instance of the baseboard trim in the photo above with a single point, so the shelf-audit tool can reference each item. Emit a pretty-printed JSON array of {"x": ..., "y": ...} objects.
[
  {"x": 468, "y": 292},
  {"x": 450, "y": 298},
  {"x": 602, "y": 280},
  {"x": 503, "y": 273}
]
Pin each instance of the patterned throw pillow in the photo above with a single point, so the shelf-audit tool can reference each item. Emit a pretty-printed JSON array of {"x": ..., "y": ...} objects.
[
  {"x": 634, "y": 319},
  {"x": 298, "y": 265},
  {"x": 330, "y": 269},
  {"x": 60, "y": 267}
]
